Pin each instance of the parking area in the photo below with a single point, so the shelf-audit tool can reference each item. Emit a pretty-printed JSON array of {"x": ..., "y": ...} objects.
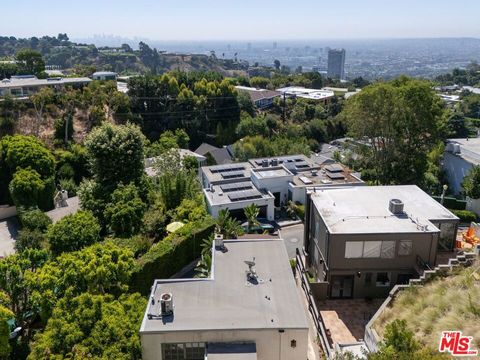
[{"x": 293, "y": 238}]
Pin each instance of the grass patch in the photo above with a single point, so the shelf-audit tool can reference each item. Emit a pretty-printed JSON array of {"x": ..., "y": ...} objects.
[{"x": 450, "y": 303}]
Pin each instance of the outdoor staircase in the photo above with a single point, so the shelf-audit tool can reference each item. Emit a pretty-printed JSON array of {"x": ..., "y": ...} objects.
[{"x": 465, "y": 259}]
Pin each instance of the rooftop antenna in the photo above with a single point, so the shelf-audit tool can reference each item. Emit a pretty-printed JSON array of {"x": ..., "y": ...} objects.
[{"x": 252, "y": 272}]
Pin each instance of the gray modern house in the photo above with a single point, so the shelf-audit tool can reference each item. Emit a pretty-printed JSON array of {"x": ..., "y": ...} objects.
[
  {"x": 249, "y": 308},
  {"x": 363, "y": 240}
]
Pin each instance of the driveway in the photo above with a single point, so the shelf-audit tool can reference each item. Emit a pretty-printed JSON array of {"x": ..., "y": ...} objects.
[
  {"x": 293, "y": 238},
  {"x": 8, "y": 234}
]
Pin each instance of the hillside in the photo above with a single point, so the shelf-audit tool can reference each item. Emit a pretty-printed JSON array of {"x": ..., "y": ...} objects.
[
  {"x": 451, "y": 303},
  {"x": 59, "y": 52}
]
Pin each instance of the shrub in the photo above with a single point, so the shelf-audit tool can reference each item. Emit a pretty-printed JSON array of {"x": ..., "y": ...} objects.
[
  {"x": 73, "y": 232},
  {"x": 26, "y": 187},
  {"x": 29, "y": 239},
  {"x": 465, "y": 215},
  {"x": 154, "y": 222},
  {"x": 124, "y": 214},
  {"x": 70, "y": 186},
  {"x": 169, "y": 256},
  {"x": 34, "y": 220}
]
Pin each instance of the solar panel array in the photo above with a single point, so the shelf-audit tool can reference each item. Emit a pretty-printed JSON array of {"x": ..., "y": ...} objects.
[
  {"x": 232, "y": 174},
  {"x": 236, "y": 186},
  {"x": 334, "y": 168},
  {"x": 227, "y": 168},
  {"x": 245, "y": 195},
  {"x": 335, "y": 175}
]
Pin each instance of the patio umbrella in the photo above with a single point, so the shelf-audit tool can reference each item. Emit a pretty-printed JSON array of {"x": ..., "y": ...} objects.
[{"x": 174, "y": 226}]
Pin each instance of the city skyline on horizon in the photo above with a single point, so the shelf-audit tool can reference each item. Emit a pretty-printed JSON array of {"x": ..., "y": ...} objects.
[{"x": 257, "y": 21}]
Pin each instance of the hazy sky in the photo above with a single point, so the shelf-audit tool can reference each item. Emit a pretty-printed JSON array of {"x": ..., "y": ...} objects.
[{"x": 242, "y": 20}]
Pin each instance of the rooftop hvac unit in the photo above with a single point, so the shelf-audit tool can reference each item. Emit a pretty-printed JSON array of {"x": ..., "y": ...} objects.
[
  {"x": 274, "y": 162},
  {"x": 265, "y": 163},
  {"x": 456, "y": 149},
  {"x": 314, "y": 172},
  {"x": 396, "y": 206},
  {"x": 166, "y": 304}
]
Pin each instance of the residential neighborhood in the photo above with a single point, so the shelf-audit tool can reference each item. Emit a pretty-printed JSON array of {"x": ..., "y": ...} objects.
[{"x": 305, "y": 186}]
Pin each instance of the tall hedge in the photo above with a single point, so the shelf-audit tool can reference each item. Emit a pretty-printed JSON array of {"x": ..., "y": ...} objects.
[{"x": 169, "y": 256}]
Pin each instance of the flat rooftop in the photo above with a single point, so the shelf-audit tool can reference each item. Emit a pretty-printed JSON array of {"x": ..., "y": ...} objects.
[
  {"x": 364, "y": 209},
  {"x": 234, "y": 192},
  {"x": 291, "y": 162},
  {"x": 271, "y": 172},
  {"x": 227, "y": 301},
  {"x": 327, "y": 175},
  {"x": 227, "y": 172},
  {"x": 14, "y": 83},
  {"x": 469, "y": 149},
  {"x": 312, "y": 94}
]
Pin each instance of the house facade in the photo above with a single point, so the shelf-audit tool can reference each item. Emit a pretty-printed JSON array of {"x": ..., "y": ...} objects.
[
  {"x": 249, "y": 308},
  {"x": 26, "y": 85},
  {"x": 270, "y": 182},
  {"x": 459, "y": 157},
  {"x": 361, "y": 241}
]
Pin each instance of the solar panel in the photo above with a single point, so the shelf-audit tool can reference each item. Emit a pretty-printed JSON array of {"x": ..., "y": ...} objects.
[
  {"x": 301, "y": 165},
  {"x": 244, "y": 195},
  {"x": 227, "y": 168},
  {"x": 335, "y": 176},
  {"x": 334, "y": 168},
  {"x": 232, "y": 174},
  {"x": 236, "y": 186}
]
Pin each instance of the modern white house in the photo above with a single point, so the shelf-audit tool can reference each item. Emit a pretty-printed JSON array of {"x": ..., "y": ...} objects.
[
  {"x": 271, "y": 182},
  {"x": 104, "y": 75},
  {"x": 26, "y": 85},
  {"x": 459, "y": 157},
  {"x": 248, "y": 309},
  {"x": 321, "y": 95}
]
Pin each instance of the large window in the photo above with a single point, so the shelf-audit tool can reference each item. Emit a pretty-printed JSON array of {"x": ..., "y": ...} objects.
[
  {"x": 383, "y": 279},
  {"x": 370, "y": 249},
  {"x": 183, "y": 351},
  {"x": 405, "y": 247}
]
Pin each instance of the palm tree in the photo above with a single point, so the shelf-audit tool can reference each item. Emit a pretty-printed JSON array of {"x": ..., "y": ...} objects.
[
  {"x": 251, "y": 213},
  {"x": 227, "y": 226}
]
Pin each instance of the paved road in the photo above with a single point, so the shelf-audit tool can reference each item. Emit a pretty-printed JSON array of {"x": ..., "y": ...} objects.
[
  {"x": 8, "y": 233},
  {"x": 293, "y": 237}
]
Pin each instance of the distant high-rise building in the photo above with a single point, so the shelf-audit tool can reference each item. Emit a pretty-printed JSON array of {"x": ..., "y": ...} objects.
[
  {"x": 275, "y": 45},
  {"x": 249, "y": 46},
  {"x": 336, "y": 63}
]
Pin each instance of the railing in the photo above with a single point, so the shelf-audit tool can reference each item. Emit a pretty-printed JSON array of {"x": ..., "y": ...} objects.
[
  {"x": 312, "y": 307},
  {"x": 422, "y": 264}
]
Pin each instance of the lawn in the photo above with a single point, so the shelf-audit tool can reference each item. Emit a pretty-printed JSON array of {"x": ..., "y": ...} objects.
[{"x": 451, "y": 303}]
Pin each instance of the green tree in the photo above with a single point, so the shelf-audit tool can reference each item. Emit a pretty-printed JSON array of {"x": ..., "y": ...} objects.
[
  {"x": 92, "y": 326},
  {"x": 31, "y": 62},
  {"x": 124, "y": 214},
  {"x": 228, "y": 226},
  {"x": 116, "y": 155},
  {"x": 471, "y": 183},
  {"x": 251, "y": 213},
  {"x": 245, "y": 102},
  {"x": 34, "y": 219},
  {"x": 26, "y": 188},
  {"x": 40, "y": 100},
  {"x": 5, "y": 315},
  {"x": 14, "y": 273},
  {"x": 403, "y": 121},
  {"x": 97, "y": 269},
  {"x": 73, "y": 232},
  {"x": 249, "y": 126}
]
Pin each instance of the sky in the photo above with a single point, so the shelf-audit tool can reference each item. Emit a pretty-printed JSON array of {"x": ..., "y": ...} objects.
[{"x": 242, "y": 19}]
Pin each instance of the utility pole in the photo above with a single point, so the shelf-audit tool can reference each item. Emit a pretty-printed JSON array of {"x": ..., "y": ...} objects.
[{"x": 284, "y": 107}]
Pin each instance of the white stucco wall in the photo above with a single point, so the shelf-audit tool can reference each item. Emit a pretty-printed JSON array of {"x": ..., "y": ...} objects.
[
  {"x": 215, "y": 209},
  {"x": 274, "y": 185},
  {"x": 456, "y": 168},
  {"x": 271, "y": 344}
]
